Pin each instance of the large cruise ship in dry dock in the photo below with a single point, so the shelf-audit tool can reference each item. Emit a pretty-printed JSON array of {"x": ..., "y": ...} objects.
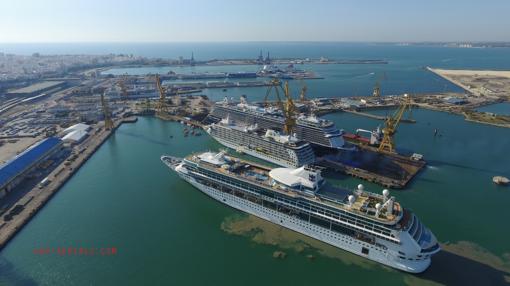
[
  {"x": 317, "y": 131},
  {"x": 266, "y": 144},
  {"x": 367, "y": 224}
]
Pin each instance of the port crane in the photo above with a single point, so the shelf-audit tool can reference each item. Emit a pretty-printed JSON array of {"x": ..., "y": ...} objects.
[
  {"x": 302, "y": 95},
  {"x": 288, "y": 108},
  {"x": 377, "y": 90},
  {"x": 147, "y": 106},
  {"x": 108, "y": 123},
  {"x": 162, "y": 108},
  {"x": 377, "y": 87},
  {"x": 123, "y": 88},
  {"x": 375, "y": 135},
  {"x": 391, "y": 124}
]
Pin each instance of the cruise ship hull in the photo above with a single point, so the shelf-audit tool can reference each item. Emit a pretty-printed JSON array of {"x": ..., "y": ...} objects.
[
  {"x": 333, "y": 238},
  {"x": 254, "y": 153},
  {"x": 325, "y": 137},
  {"x": 268, "y": 150}
]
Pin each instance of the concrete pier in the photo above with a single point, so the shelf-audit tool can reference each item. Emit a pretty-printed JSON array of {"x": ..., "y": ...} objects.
[{"x": 36, "y": 198}]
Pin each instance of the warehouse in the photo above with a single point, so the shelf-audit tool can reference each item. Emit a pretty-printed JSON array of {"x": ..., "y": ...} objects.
[
  {"x": 36, "y": 89},
  {"x": 15, "y": 170},
  {"x": 75, "y": 137}
]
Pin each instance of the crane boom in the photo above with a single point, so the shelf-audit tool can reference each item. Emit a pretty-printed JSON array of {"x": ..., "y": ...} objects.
[
  {"x": 162, "y": 107},
  {"x": 288, "y": 108},
  {"x": 391, "y": 125},
  {"x": 108, "y": 123}
]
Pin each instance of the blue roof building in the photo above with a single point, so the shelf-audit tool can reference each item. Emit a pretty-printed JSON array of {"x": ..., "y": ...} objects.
[
  {"x": 27, "y": 159},
  {"x": 456, "y": 101}
]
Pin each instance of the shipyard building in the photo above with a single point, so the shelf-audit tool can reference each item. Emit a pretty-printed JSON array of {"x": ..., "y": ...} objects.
[{"x": 14, "y": 171}]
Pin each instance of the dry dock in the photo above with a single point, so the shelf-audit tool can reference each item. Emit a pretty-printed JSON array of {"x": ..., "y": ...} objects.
[{"x": 390, "y": 170}]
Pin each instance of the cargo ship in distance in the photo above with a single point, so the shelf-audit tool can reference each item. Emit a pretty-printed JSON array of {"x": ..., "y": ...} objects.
[
  {"x": 266, "y": 144},
  {"x": 317, "y": 131},
  {"x": 367, "y": 224}
]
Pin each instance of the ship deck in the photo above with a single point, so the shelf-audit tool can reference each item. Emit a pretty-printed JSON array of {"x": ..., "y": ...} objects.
[
  {"x": 328, "y": 194},
  {"x": 260, "y": 132}
]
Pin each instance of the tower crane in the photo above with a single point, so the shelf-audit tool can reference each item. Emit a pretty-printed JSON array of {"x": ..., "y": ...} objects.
[
  {"x": 302, "y": 95},
  {"x": 162, "y": 108},
  {"x": 377, "y": 87},
  {"x": 391, "y": 124},
  {"x": 377, "y": 90},
  {"x": 123, "y": 88},
  {"x": 108, "y": 123},
  {"x": 288, "y": 108}
]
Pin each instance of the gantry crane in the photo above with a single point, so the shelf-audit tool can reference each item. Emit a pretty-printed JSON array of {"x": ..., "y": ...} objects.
[
  {"x": 288, "y": 108},
  {"x": 276, "y": 85},
  {"x": 108, "y": 123},
  {"x": 162, "y": 108},
  {"x": 391, "y": 124}
]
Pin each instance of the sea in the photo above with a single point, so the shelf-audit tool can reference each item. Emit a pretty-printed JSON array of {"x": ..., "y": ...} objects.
[{"x": 125, "y": 219}]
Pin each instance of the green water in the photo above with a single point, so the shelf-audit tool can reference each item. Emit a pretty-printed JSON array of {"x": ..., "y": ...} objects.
[{"x": 167, "y": 232}]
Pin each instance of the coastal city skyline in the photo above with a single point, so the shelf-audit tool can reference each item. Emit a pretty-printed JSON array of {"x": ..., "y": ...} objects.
[{"x": 219, "y": 21}]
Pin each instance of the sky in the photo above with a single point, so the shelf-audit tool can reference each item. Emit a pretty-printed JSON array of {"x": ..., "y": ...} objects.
[{"x": 253, "y": 20}]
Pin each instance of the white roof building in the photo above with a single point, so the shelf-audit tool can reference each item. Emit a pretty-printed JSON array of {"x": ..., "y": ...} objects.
[
  {"x": 296, "y": 178},
  {"x": 77, "y": 127},
  {"x": 75, "y": 136}
]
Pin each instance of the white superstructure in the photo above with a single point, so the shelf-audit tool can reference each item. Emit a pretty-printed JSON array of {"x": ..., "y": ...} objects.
[
  {"x": 370, "y": 225},
  {"x": 266, "y": 144},
  {"x": 319, "y": 132}
]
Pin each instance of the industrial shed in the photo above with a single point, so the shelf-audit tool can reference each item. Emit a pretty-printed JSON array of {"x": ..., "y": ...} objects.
[{"x": 14, "y": 171}]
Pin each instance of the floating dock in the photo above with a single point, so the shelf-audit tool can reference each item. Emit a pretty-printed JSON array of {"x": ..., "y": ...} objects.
[{"x": 387, "y": 169}]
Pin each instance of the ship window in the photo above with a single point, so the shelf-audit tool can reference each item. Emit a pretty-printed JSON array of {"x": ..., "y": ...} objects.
[
  {"x": 364, "y": 250},
  {"x": 341, "y": 229},
  {"x": 270, "y": 205},
  {"x": 318, "y": 221},
  {"x": 303, "y": 216}
]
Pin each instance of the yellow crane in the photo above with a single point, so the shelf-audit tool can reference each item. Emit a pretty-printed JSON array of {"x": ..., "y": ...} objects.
[
  {"x": 377, "y": 90},
  {"x": 162, "y": 108},
  {"x": 108, "y": 123},
  {"x": 302, "y": 95},
  {"x": 391, "y": 124},
  {"x": 288, "y": 108},
  {"x": 377, "y": 87},
  {"x": 123, "y": 88},
  {"x": 147, "y": 106}
]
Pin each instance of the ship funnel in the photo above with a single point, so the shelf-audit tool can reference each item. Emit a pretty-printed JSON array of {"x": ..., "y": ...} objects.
[
  {"x": 389, "y": 209},
  {"x": 352, "y": 199},
  {"x": 385, "y": 193},
  {"x": 378, "y": 208},
  {"x": 244, "y": 100}
]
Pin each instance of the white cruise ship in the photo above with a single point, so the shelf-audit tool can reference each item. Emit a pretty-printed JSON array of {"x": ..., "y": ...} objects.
[
  {"x": 367, "y": 224},
  {"x": 266, "y": 144},
  {"x": 319, "y": 132}
]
